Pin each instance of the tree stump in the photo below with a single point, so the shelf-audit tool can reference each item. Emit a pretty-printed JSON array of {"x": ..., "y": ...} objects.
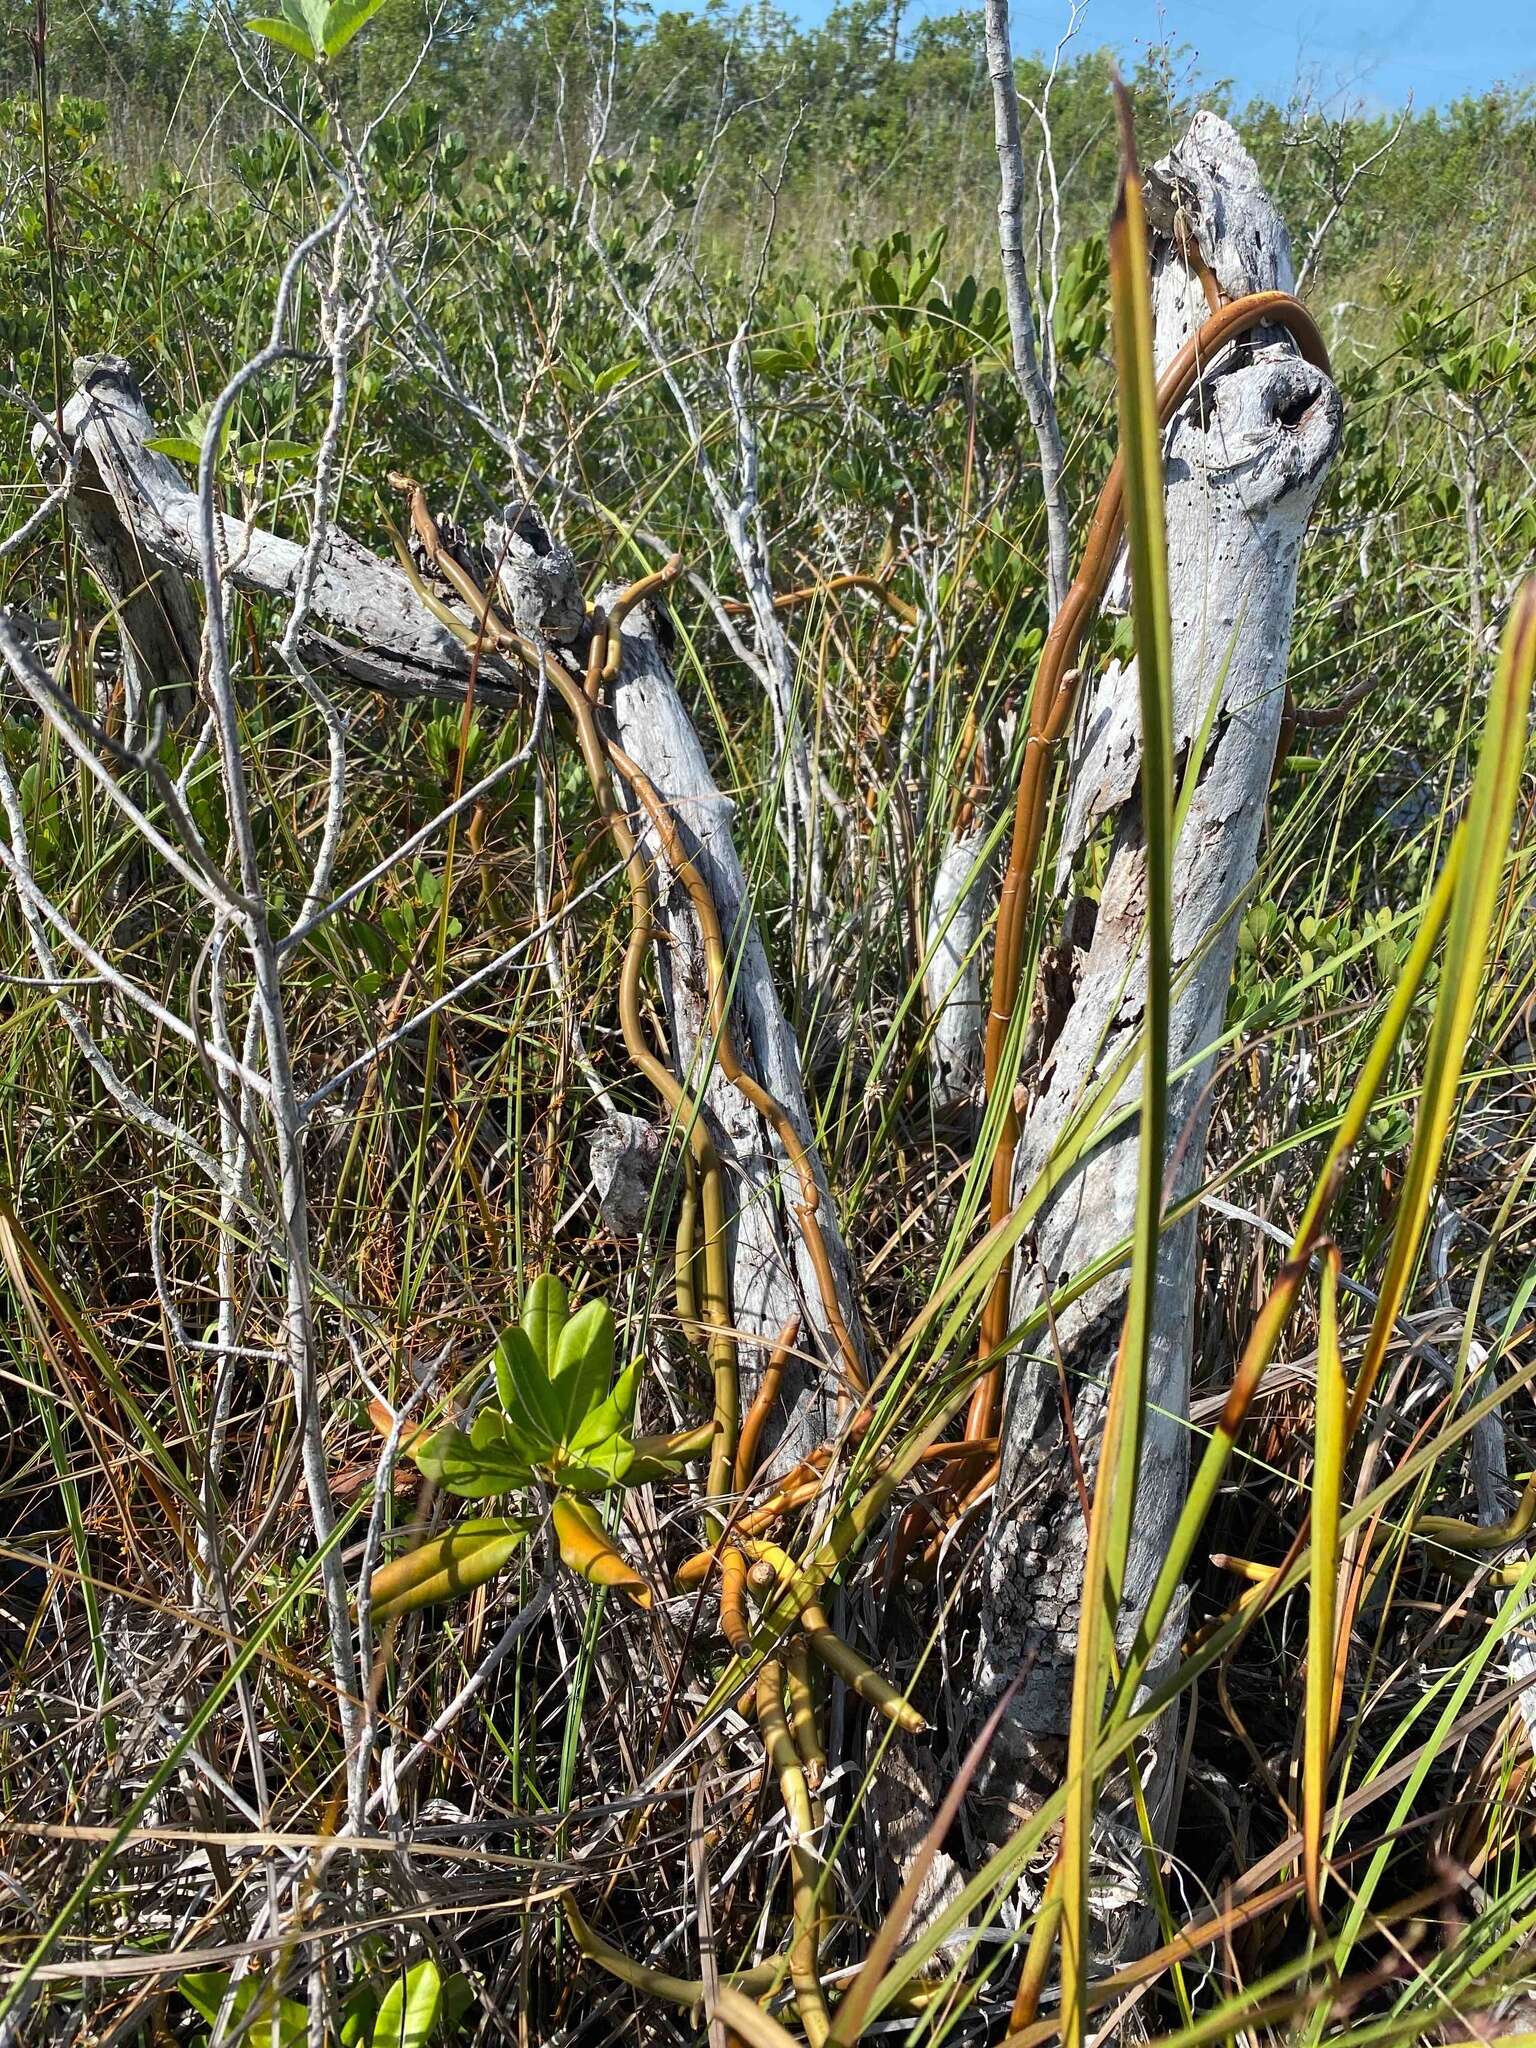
[{"x": 1245, "y": 460}]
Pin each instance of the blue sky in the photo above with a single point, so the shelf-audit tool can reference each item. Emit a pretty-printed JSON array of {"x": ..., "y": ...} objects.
[
  {"x": 1378, "y": 50},
  {"x": 1381, "y": 49}
]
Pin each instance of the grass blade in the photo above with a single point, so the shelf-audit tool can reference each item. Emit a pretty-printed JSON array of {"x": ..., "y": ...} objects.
[
  {"x": 1269, "y": 1327},
  {"x": 1490, "y": 815},
  {"x": 1327, "y": 1492},
  {"x": 1141, "y": 439},
  {"x": 1115, "y": 1491},
  {"x": 854, "y": 2009}
]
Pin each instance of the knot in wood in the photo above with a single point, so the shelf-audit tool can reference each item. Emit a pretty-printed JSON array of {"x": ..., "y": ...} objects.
[
  {"x": 625, "y": 1156},
  {"x": 1267, "y": 430},
  {"x": 537, "y": 576}
]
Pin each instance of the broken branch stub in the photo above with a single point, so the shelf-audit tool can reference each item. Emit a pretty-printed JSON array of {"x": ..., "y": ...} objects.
[
  {"x": 145, "y": 512},
  {"x": 1244, "y": 461},
  {"x": 157, "y": 619}
]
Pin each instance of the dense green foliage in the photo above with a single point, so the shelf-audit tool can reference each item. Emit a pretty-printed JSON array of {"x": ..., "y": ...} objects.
[
  {"x": 882, "y": 360},
  {"x": 871, "y": 123}
]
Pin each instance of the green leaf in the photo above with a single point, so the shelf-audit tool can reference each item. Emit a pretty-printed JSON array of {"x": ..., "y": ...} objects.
[
  {"x": 410, "y": 2008},
  {"x": 657, "y": 1457},
  {"x": 473, "y": 1466},
  {"x": 491, "y": 1428},
  {"x": 446, "y": 1567},
  {"x": 290, "y": 35},
  {"x": 589, "y": 1550},
  {"x": 205, "y": 1992},
  {"x": 177, "y": 446},
  {"x": 611, "y": 1416},
  {"x": 186, "y": 444},
  {"x": 298, "y": 25},
  {"x": 357, "y": 2017},
  {"x": 458, "y": 1997},
  {"x": 776, "y": 362},
  {"x": 610, "y": 379},
  {"x": 522, "y": 1383},
  {"x": 598, "y": 1467},
  {"x": 274, "y": 450},
  {"x": 546, "y": 1309},
  {"x": 342, "y": 22},
  {"x": 583, "y": 1367}
]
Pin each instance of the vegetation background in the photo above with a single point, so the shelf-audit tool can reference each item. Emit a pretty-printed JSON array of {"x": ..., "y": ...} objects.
[{"x": 834, "y": 189}]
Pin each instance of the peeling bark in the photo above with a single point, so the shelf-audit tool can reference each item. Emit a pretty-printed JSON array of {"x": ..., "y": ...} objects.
[
  {"x": 952, "y": 984},
  {"x": 1245, "y": 461}
]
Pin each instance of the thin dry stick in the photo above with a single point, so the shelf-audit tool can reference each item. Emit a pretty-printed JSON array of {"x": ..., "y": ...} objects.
[{"x": 1036, "y": 393}]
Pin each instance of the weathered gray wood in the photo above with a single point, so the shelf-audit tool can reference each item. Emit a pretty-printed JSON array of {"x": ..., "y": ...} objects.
[
  {"x": 772, "y": 1275},
  {"x": 156, "y": 616},
  {"x": 537, "y": 575},
  {"x": 356, "y": 593},
  {"x": 626, "y": 1157},
  {"x": 398, "y": 646},
  {"x": 952, "y": 983},
  {"x": 1244, "y": 463}
]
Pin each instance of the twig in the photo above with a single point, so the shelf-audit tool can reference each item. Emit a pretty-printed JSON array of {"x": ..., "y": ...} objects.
[{"x": 1033, "y": 388}]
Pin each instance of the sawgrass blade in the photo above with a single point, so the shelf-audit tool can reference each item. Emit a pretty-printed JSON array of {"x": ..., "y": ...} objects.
[
  {"x": 1327, "y": 1492},
  {"x": 1146, "y": 540},
  {"x": 1263, "y": 1342},
  {"x": 1490, "y": 815},
  {"x": 1269, "y": 1326},
  {"x": 1115, "y": 1490}
]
